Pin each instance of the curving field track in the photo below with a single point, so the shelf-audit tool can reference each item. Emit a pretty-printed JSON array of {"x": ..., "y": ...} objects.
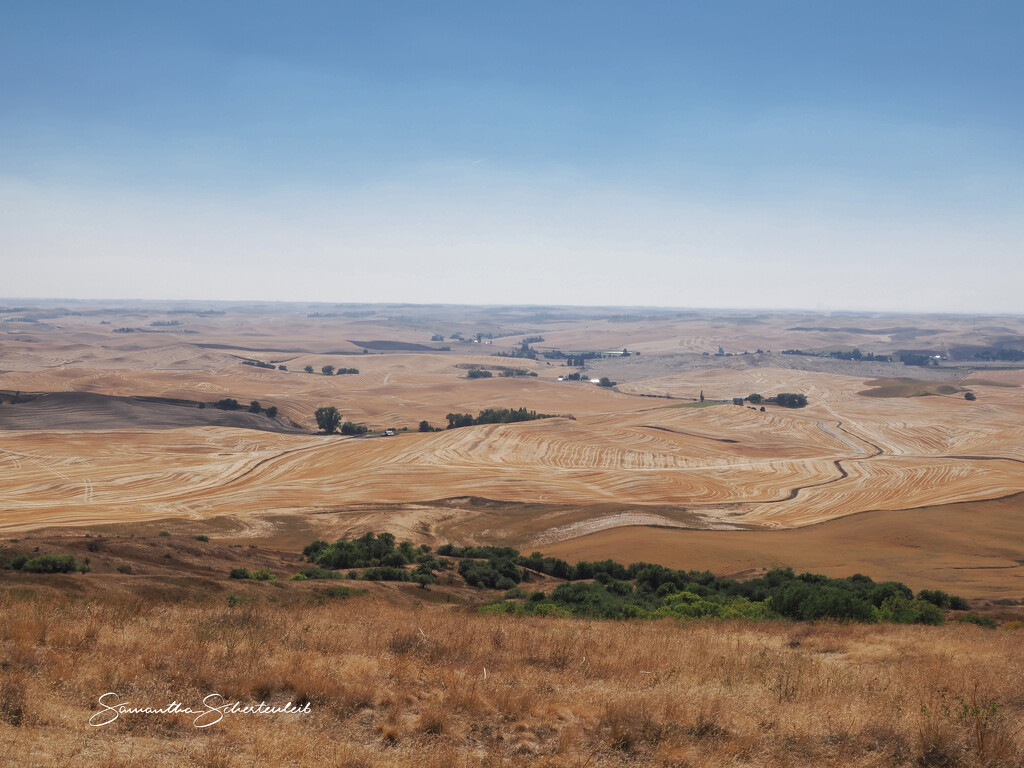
[
  {"x": 725, "y": 464},
  {"x": 621, "y": 458}
]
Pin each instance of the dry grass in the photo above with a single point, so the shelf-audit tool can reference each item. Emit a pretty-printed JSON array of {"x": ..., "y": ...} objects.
[{"x": 436, "y": 686}]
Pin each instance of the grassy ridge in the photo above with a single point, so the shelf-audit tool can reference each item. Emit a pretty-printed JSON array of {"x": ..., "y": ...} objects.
[{"x": 433, "y": 685}]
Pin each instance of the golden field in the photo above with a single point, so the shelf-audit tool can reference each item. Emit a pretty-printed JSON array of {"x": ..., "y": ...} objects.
[
  {"x": 889, "y": 472},
  {"x": 393, "y": 681},
  {"x": 626, "y": 458}
]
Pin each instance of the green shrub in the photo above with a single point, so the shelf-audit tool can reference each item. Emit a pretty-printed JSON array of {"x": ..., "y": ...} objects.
[
  {"x": 502, "y": 608},
  {"x": 51, "y": 564},
  {"x": 801, "y": 601},
  {"x": 899, "y": 610},
  {"x": 18, "y": 562},
  {"x": 741, "y": 608},
  {"x": 790, "y": 400},
  {"x": 394, "y": 560},
  {"x": 936, "y": 597},
  {"x": 263, "y": 575},
  {"x": 686, "y": 605},
  {"x": 424, "y": 579},
  {"x": 366, "y": 551},
  {"x": 315, "y": 572},
  {"x": 981, "y": 621},
  {"x": 164, "y": 533},
  {"x": 887, "y": 589},
  {"x": 202, "y": 537},
  {"x": 239, "y": 573},
  {"x": 297, "y": 577},
  {"x": 387, "y": 574},
  {"x": 547, "y": 609},
  {"x": 497, "y": 573},
  {"x": 344, "y": 592}
]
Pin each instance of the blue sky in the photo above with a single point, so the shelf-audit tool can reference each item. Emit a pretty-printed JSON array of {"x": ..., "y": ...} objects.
[{"x": 738, "y": 154}]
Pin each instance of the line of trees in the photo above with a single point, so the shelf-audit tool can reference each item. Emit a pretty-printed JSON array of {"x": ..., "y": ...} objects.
[
  {"x": 329, "y": 370},
  {"x": 494, "y": 416},
  {"x": 607, "y": 589},
  {"x": 855, "y": 355},
  {"x": 789, "y": 400},
  {"x": 785, "y": 399},
  {"x": 230, "y": 404},
  {"x": 328, "y": 419}
]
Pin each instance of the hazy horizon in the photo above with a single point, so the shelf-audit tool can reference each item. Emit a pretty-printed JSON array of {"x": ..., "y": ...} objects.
[{"x": 792, "y": 157}]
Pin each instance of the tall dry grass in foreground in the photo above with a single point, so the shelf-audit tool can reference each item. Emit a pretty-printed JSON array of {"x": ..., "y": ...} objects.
[{"x": 432, "y": 686}]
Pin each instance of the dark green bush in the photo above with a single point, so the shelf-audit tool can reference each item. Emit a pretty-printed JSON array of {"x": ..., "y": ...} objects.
[
  {"x": 387, "y": 574},
  {"x": 239, "y": 573},
  {"x": 940, "y": 599},
  {"x": 981, "y": 621},
  {"x": 315, "y": 572},
  {"x": 369, "y": 550},
  {"x": 344, "y": 592},
  {"x": 51, "y": 564},
  {"x": 18, "y": 562}
]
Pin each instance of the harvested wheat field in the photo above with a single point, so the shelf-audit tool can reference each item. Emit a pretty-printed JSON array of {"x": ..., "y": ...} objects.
[
  {"x": 119, "y": 444},
  {"x": 101, "y": 419},
  {"x": 973, "y": 548}
]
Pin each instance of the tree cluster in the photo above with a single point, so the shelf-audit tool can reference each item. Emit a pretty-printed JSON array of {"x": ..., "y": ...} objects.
[
  {"x": 854, "y": 355},
  {"x": 494, "y": 416},
  {"x": 379, "y": 554},
  {"x": 608, "y": 589},
  {"x": 47, "y": 564},
  {"x": 789, "y": 400},
  {"x": 328, "y": 418},
  {"x": 921, "y": 360}
]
